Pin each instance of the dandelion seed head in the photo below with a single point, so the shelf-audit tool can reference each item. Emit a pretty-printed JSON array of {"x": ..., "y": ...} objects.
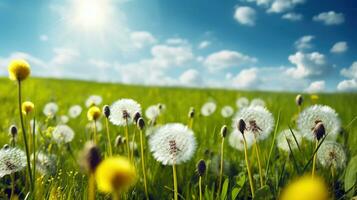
[
  {"x": 64, "y": 119},
  {"x": 173, "y": 143},
  {"x": 227, "y": 111},
  {"x": 122, "y": 110},
  {"x": 46, "y": 163},
  {"x": 331, "y": 154},
  {"x": 208, "y": 108},
  {"x": 50, "y": 109},
  {"x": 93, "y": 100},
  {"x": 74, "y": 111},
  {"x": 152, "y": 112},
  {"x": 319, "y": 113},
  {"x": 62, "y": 134},
  {"x": 259, "y": 121},
  {"x": 242, "y": 102},
  {"x": 286, "y": 138},
  {"x": 19, "y": 70},
  {"x": 257, "y": 102},
  {"x": 11, "y": 160},
  {"x": 236, "y": 140}
]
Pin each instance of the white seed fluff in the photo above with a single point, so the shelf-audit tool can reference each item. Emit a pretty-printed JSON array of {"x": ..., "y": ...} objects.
[
  {"x": 227, "y": 111},
  {"x": 94, "y": 100},
  {"x": 331, "y": 154},
  {"x": 50, "y": 109},
  {"x": 286, "y": 136},
  {"x": 62, "y": 134},
  {"x": 242, "y": 102},
  {"x": 152, "y": 112},
  {"x": 257, "y": 102},
  {"x": 208, "y": 108},
  {"x": 118, "y": 108},
  {"x": 236, "y": 140},
  {"x": 74, "y": 111},
  {"x": 11, "y": 160}
]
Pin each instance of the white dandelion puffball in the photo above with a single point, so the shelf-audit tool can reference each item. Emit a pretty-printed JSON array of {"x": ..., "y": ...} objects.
[
  {"x": 74, "y": 111},
  {"x": 242, "y": 102},
  {"x": 331, "y": 154},
  {"x": 257, "y": 102},
  {"x": 11, "y": 160},
  {"x": 45, "y": 164},
  {"x": 93, "y": 100},
  {"x": 286, "y": 136},
  {"x": 152, "y": 112},
  {"x": 259, "y": 121},
  {"x": 173, "y": 143},
  {"x": 236, "y": 140},
  {"x": 227, "y": 111},
  {"x": 62, "y": 134},
  {"x": 319, "y": 113},
  {"x": 50, "y": 109},
  {"x": 123, "y": 107},
  {"x": 64, "y": 119},
  {"x": 98, "y": 125},
  {"x": 208, "y": 108}
]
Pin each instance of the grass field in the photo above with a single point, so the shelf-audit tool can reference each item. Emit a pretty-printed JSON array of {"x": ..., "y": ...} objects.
[{"x": 69, "y": 182}]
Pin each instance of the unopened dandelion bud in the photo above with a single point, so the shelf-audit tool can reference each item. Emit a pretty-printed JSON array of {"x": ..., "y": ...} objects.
[
  {"x": 119, "y": 140},
  {"x": 201, "y": 167},
  {"x": 299, "y": 100},
  {"x": 106, "y": 111},
  {"x": 160, "y": 106},
  {"x": 13, "y": 131},
  {"x": 6, "y": 146},
  {"x": 242, "y": 126},
  {"x": 224, "y": 131},
  {"x": 91, "y": 156},
  {"x": 141, "y": 123},
  {"x": 191, "y": 113},
  {"x": 319, "y": 130},
  {"x": 137, "y": 116}
]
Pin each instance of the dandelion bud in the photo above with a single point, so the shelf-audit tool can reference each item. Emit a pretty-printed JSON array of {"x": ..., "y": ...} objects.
[
  {"x": 160, "y": 106},
  {"x": 141, "y": 123},
  {"x": 319, "y": 130},
  {"x": 90, "y": 157},
  {"x": 191, "y": 113},
  {"x": 106, "y": 111},
  {"x": 201, "y": 167},
  {"x": 136, "y": 117},
  {"x": 13, "y": 131},
  {"x": 6, "y": 146},
  {"x": 299, "y": 100},
  {"x": 224, "y": 131},
  {"x": 19, "y": 70},
  {"x": 119, "y": 140},
  {"x": 241, "y": 126}
]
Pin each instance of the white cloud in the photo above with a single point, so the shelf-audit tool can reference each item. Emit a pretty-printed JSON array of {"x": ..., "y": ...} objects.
[
  {"x": 32, "y": 60},
  {"x": 310, "y": 64},
  {"x": 63, "y": 56},
  {"x": 141, "y": 39},
  {"x": 100, "y": 64},
  {"x": 43, "y": 38},
  {"x": 204, "y": 44},
  {"x": 190, "y": 77},
  {"x": 227, "y": 58},
  {"x": 329, "y": 18},
  {"x": 246, "y": 78},
  {"x": 350, "y": 72},
  {"x": 339, "y": 47},
  {"x": 304, "y": 42},
  {"x": 292, "y": 16},
  {"x": 166, "y": 56},
  {"x": 245, "y": 15},
  {"x": 316, "y": 86},
  {"x": 279, "y": 6},
  {"x": 177, "y": 41},
  {"x": 347, "y": 85}
]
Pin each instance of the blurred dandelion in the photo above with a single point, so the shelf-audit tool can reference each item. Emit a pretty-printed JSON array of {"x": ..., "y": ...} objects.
[
  {"x": 314, "y": 98},
  {"x": 93, "y": 115},
  {"x": 19, "y": 70},
  {"x": 332, "y": 154},
  {"x": 74, "y": 111},
  {"x": 27, "y": 107},
  {"x": 208, "y": 108},
  {"x": 152, "y": 112},
  {"x": 309, "y": 117},
  {"x": 62, "y": 134},
  {"x": 106, "y": 112},
  {"x": 286, "y": 139},
  {"x": 50, "y": 109},
  {"x": 191, "y": 116},
  {"x": 227, "y": 111},
  {"x": 242, "y": 102},
  {"x": 257, "y": 102},
  {"x": 64, "y": 119},
  {"x": 93, "y": 100},
  {"x": 98, "y": 126},
  {"x": 201, "y": 169},
  {"x": 12, "y": 160},
  {"x": 45, "y": 163}
]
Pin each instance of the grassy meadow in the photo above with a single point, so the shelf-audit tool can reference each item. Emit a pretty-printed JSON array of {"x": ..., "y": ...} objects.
[{"x": 70, "y": 182}]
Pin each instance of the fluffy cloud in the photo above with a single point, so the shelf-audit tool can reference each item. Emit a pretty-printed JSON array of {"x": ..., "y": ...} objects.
[
  {"x": 226, "y": 58},
  {"x": 347, "y": 85},
  {"x": 177, "y": 41},
  {"x": 339, "y": 47},
  {"x": 330, "y": 18},
  {"x": 350, "y": 84},
  {"x": 292, "y": 16},
  {"x": 100, "y": 64},
  {"x": 204, "y": 44},
  {"x": 279, "y": 6},
  {"x": 166, "y": 56},
  {"x": 316, "y": 86},
  {"x": 190, "y": 77},
  {"x": 63, "y": 56},
  {"x": 141, "y": 39},
  {"x": 247, "y": 78},
  {"x": 43, "y": 37},
  {"x": 309, "y": 64},
  {"x": 304, "y": 42},
  {"x": 350, "y": 72},
  {"x": 245, "y": 15}
]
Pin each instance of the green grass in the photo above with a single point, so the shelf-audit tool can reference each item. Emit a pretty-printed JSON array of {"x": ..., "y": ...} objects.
[{"x": 178, "y": 101}]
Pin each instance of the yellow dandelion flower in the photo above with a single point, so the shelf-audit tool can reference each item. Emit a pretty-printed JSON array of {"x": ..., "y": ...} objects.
[
  {"x": 27, "y": 107},
  {"x": 115, "y": 174},
  {"x": 93, "y": 113},
  {"x": 19, "y": 70},
  {"x": 314, "y": 98},
  {"x": 306, "y": 188}
]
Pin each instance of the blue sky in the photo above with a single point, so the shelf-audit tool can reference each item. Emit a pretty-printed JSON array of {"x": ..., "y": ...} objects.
[{"x": 295, "y": 45}]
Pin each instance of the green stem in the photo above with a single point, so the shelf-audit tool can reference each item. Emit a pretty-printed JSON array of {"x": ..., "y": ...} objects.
[
  {"x": 175, "y": 181},
  {"x": 108, "y": 137},
  {"x": 133, "y": 142},
  {"x": 116, "y": 195},
  {"x": 200, "y": 186},
  {"x": 127, "y": 138},
  {"x": 248, "y": 167},
  {"x": 221, "y": 168},
  {"x": 12, "y": 186},
  {"x": 314, "y": 159},
  {"x": 143, "y": 163},
  {"x": 91, "y": 187},
  {"x": 25, "y": 138},
  {"x": 259, "y": 163},
  {"x": 95, "y": 132}
]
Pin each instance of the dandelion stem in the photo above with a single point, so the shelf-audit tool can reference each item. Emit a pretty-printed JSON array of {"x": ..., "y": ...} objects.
[
  {"x": 248, "y": 167},
  {"x": 25, "y": 137},
  {"x": 108, "y": 137},
  {"x": 190, "y": 122},
  {"x": 133, "y": 142},
  {"x": 91, "y": 187},
  {"x": 200, "y": 186},
  {"x": 221, "y": 168},
  {"x": 95, "y": 131},
  {"x": 12, "y": 186},
  {"x": 116, "y": 195},
  {"x": 143, "y": 163},
  {"x": 259, "y": 163},
  {"x": 175, "y": 181},
  {"x": 127, "y": 138},
  {"x": 314, "y": 159}
]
